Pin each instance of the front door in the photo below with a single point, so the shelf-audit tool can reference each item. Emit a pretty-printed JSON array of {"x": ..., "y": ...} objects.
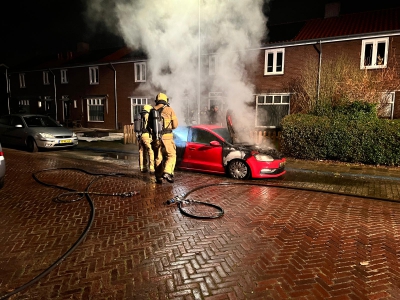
[
  {"x": 66, "y": 110},
  {"x": 50, "y": 109}
]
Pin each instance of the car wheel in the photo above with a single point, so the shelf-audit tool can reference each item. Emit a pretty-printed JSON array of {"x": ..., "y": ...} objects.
[
  {"x": 238, "y": 169},
  {"x": 32, "y": 146}
]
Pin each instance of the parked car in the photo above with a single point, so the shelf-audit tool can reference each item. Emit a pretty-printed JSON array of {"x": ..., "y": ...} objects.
[
  {"x": 35, "y": 132},
  {"x": 211, "y": 149},
  {"x": 2, "y": 167}
]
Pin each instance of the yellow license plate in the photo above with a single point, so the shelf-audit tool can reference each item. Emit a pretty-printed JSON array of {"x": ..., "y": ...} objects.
[{"x": 65, "y": 141}]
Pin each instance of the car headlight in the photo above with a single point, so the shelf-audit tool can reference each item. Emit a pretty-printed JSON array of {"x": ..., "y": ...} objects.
[
  {"x": 263, "y": 157},
  {"x": 74, "y": 134},
  {"x": 44, "y": 136}
]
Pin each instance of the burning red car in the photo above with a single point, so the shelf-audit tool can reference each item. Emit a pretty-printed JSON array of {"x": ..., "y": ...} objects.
[{"x": 213, "y": 149}]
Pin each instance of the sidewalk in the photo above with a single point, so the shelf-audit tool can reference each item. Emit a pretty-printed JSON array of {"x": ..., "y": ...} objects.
[{"x": 293, "y": 165}]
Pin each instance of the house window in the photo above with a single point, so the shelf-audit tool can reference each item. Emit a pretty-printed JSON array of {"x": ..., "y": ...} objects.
[
  {"x": 94, "y": 75},
  {"x": 274, "y": 61},
  {"x": 47, "y": 103},
  {"x": 271, "y": 109},
  {"x": 64, "y": 78},
  {"x": 216, "y": 99},
  {"x": 387, "y": 106},
  {"x": 95, "y": 108},
  {"x": 22, "y": 80},
  {"x": 23, "y": 106},
  {"x": 46, "y": 78},
  {"x": 212, "y": 64},
  {"x": 374, "y": 53},
  {"x": 137, "y": 105},
  {"x": 140, "y": 72}
]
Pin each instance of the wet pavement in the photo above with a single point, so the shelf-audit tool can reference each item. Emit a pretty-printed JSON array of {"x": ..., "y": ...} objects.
[{"x": 324, "y": 231}]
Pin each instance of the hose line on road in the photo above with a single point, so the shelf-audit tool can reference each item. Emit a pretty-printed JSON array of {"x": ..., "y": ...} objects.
[
  {"x": 196, "y": 209},
  {"x": 188, "y": 207},
  {"x": 83, "y": 194}
]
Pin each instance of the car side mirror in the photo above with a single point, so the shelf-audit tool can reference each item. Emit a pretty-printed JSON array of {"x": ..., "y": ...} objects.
[
  {"x": 215, "y": 143},
  {"x": 18, "y": 126}
]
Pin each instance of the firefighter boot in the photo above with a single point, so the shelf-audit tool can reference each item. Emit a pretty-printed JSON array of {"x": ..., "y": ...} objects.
[{"x": 168, "y": 177}]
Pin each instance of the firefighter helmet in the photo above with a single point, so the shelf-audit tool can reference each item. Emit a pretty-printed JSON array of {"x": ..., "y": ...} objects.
[
  {"x": 161, "y": 97},
  {"x": 147, "y": 108}
]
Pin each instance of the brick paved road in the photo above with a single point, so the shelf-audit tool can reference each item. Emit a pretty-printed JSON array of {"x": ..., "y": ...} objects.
[{"x": 272, "y": 242}]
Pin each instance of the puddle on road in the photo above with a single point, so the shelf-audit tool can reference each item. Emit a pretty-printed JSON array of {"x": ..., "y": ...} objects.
[{"x": 120, "y": 156}]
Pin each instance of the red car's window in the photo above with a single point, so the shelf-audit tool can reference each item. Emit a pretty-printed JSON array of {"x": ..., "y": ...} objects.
[{"x": 201, "y": 136}]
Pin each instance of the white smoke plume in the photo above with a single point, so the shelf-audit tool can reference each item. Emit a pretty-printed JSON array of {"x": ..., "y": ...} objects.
[{"x": 174, "y": 32}]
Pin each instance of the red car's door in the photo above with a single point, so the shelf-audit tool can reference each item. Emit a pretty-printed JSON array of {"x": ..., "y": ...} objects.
[{"x": 200, "y": 154}]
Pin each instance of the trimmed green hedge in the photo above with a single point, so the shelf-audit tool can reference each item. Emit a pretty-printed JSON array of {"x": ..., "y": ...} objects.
[{"x": 348, "y": 136}]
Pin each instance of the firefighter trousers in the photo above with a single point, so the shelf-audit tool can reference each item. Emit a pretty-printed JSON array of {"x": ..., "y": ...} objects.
[
  {"x": 146, "y": 154},
  {"x": 165, "y": 155}
]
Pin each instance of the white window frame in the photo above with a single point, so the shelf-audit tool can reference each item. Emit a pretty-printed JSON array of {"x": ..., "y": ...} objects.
[
  {"x": 274, "y": 66},
  {"x": 24, "y": 105},
  {"x": 94, "y": 75},
  {"x": 387, "y": 108},
  {"x": 277, "y": 99},
  {"x": 213, "y": 65},
  {"x": 23, "y": 102},
  {"x": 137, "y": 104},
  {"x": 101, "y": 102},
  {"x": 216, "y": 98},
  {"x": 64, "y": 77},
  {"x": 46, "y": 80},
  {"x": 374, "y": 47},
  {"x": 22, "y": 80},
  {"x": 140, "y": 71}
]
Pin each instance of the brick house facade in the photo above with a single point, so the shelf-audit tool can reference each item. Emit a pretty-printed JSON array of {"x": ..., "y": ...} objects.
[{"x": 100, "y": 89}]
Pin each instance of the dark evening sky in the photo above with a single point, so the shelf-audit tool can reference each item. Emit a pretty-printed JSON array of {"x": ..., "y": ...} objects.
[{"x": 30, "y": 27}]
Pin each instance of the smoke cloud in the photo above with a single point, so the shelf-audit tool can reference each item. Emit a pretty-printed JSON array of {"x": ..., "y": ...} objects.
[{"x": 174, "y": 32}]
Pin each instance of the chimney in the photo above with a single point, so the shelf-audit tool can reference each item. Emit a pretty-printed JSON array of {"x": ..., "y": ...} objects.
[{"x": 332, "y": 9}]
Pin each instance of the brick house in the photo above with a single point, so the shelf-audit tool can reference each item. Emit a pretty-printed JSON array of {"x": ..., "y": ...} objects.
[
  {"x": 363, "y": 37},
  {"x": 100, "y": 89}
]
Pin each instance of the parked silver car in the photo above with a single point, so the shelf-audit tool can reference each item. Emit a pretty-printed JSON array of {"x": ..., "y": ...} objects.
[
  {"x": 34, "y": 132},
  {"x": 2, "y": 167}
]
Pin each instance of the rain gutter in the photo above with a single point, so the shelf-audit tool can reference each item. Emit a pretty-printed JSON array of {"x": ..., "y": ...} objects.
[
  {"x": 271, "y": 46},
  {"x": 344, "y": 38},
  {"x": 81, "y": 66}
]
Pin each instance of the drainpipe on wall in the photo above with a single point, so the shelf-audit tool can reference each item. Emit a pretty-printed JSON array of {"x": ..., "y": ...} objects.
[
  {"x": 55, "y": 92},
  {"x": 319, "y": 68},
  {"x": 8, "y": 92},
  {"x": 115, "y": 97},
  {"x": 7, "y": 86}
]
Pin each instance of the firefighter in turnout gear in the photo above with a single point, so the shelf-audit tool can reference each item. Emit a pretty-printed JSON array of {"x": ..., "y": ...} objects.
[
  {"x": 163, "y": 144},
  {"x": 146, "y": 154}
]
